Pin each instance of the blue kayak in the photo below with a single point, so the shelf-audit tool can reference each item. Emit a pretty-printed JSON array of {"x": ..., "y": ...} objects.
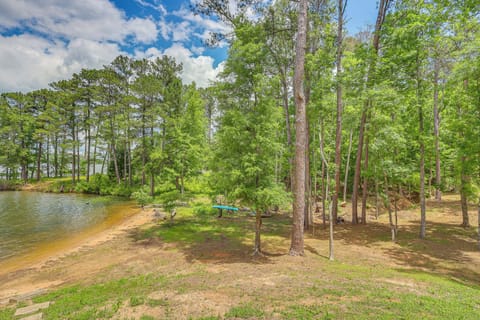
[
  {"x": 225, "y": 207},
  {"x": 221, "y": 208}
]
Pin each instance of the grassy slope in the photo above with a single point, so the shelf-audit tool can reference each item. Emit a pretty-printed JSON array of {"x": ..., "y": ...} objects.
[{"x": 218, "y": 278}]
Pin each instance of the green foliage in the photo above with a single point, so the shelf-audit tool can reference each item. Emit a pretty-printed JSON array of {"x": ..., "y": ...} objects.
[
  {"x": 204, "y": 210},
  {"x": 142, "y": 196},
  {"x": 136, "y": 301},
  {"x": 6, "y": 313},
  {"x": 171, "y": 199},
  {"x": 304, "y": 312},
  {"x": 9, "y": 185},
  {"x": 244, "y": 312},
  {"x": 98, "y": 184}
]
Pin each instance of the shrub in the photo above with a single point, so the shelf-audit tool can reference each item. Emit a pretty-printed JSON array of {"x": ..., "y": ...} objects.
[{"x": 141, "y": 196}]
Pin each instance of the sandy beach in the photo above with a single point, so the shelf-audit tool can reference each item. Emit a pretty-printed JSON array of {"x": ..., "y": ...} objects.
[{"x": 17, "y": 274}]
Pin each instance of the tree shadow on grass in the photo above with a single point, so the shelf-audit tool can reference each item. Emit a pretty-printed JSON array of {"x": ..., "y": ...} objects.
[
  {"x": 215, "y": 240},
  {"x": 445, "y": 251}
]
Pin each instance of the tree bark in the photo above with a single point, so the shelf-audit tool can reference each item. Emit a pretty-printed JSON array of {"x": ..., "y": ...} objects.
[
  {"x": 478, "y": 217},
  {"x": 297, "y": 242},
  {"x": 152, "y": 185},
  {"x": 358, "y": 166},
  {"x": 347, "y": 167},
  {"x": 377, "y": 209},
  {"x": 55, "y": 156},
  {"x": 78, "y": 155},
  {"x": 48, "y": 156},
  {"x": 382, "y": 12},
  {"x": 387, "y": 204},
  {"x": 422, "y": 153},
  {"x": 330, "y": 216},
  {"x": 39, "y": 161},
  {"x": 436, "y": 131},
  {"x": 464, "y": 180},
  {"x": 338, "y": 133},
  {"x": 258, "y": 225},
  {"x": 308, "y": 220},
  {"x": 74, "y": 155},
  {"x": 365, "y": 185},
  {"x": 88, "y": 143},
  {"x": 422, "y": 177}
]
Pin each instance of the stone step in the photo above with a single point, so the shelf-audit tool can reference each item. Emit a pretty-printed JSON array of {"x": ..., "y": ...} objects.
[
  {"x": 31, "y": 309},
  {"x": 27, "y": 296},
  {"x": 36, "y": 316}
]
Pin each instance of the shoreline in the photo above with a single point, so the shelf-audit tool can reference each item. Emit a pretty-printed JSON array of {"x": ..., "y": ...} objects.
[{"x": 131, "y": 217}]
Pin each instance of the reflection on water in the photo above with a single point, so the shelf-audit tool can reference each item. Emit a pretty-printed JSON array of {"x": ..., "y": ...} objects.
[{"x": 30, "y": 219}]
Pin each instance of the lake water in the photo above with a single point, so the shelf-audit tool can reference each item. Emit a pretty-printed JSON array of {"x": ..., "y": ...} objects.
[{"x": 29, "y": 220}]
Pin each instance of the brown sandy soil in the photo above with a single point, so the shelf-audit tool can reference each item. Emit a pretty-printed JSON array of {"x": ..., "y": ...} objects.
[
  {"x": 213, "y": 276},
  {"x": 18, "y": 276}
]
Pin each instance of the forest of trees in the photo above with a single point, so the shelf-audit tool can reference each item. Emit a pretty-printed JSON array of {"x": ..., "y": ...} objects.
[{"x": 302, "y": 112}]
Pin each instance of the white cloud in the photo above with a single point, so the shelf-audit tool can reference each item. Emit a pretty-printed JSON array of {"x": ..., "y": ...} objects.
[
  {"x": 29, "y": 62},
  {"x": 145, "y": 30},
  {"x": 195, "y": 69},
  {"x": 155, "y": 6},
  {"x": 209, "y": 25},
  {"x": 165, "y": 29},
  {"x": 182, "y": 31},
  {"x": 197, "y": 50},
  {"x": 89, "y": 19},
  {"x": 65, "y": 36}
]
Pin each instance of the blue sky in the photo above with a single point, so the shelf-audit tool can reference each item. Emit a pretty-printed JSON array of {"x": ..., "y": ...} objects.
[{"x": 42, "y": 41}]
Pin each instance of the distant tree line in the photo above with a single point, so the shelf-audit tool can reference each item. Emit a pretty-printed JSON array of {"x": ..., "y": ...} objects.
[{"x": 133, "y": 120}]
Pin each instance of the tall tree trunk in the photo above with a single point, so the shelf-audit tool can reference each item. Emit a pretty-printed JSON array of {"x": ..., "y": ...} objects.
[
  {"x": 125, "y": 180},
  {"x": 388, "y": 205},
  {"x": 115, "y": 161},
  {"x": 48, "y": 156},
  {"x": 478, "y": 217},
  {"x": 287, "y": 125},
  {"x": 436, "y": 131},
  {"x": 152, "y": 185},
  {"x": 308, "y": 221},
  {"x": 55, "y": 156},
  {"x": 365, "y": 185},
  {"x": 422, "y": 177},
  {"x": 62, "y": 157},
  {"x": 144, "y": 147},
  {"x": 39, "y": 160},
  {"x": 347, "y": 167},
  {"x": 324, "y": 194},
  {"x": 130, "y": 175},
  {"x": 88, "y": 141},
  {"x": 358, "y": 166},
  {"x": 94, "y": 157},
  {"x": 395, "y": 208},
  {"x": 338, "y": 133},
  {"x": 464, "y": 180},
  {"x": 377, "y": 209},
  {"x": 296, "y": 247},
  {"x": 422, "y": 153},
  {"x": 105, "y": 159},
  {"x": 324, "y": 168},
  {"x": 74, "y": 155},
  {"x": 382, "y": 12},
  {"x": 258, "y": 225},
  {"x": 78, "y": 155},
  {"x": 330, "y": 216}
]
